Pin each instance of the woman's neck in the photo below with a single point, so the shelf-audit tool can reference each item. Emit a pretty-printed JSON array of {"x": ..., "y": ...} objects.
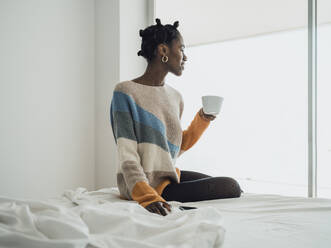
[{"x": 153, "y": 76}]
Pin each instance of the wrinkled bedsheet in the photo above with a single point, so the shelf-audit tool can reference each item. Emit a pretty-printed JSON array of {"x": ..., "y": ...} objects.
[{"x": 101, "y": 219}]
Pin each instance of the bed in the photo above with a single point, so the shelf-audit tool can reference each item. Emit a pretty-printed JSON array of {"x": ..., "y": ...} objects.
[{"x": 81, "y": 218}]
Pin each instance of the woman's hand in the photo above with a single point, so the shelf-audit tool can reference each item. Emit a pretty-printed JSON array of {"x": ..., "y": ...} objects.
[
  {"x": 159, "y": 208},
  {"x": 205, "y": 116}
]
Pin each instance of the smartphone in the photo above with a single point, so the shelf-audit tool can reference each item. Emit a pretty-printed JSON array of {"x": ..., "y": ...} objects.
[{"x": 186, "y": 208}]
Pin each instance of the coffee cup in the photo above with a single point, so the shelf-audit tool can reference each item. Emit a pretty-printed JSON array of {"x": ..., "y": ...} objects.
[{"x": 212, "y": 104}]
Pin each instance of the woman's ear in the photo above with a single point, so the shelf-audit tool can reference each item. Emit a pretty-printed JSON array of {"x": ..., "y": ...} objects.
[{"x": 162, "y": 49}]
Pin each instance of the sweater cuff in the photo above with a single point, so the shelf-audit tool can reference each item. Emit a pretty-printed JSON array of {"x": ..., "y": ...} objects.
[{"x": 144, "y": 194}]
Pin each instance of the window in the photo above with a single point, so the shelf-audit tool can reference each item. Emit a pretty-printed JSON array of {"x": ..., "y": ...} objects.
[
  {"x": 323, "y": 99},
  {"x": 242, "y": 50}
]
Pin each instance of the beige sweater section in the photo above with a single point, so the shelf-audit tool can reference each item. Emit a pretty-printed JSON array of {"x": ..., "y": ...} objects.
[{"x": 146, "y": 123}]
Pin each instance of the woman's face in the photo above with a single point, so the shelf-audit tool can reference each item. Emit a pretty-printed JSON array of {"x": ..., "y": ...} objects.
[{"x": 176, "y": 56}]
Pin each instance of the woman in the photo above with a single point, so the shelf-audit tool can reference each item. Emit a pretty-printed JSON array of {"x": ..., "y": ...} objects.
[{"x": 145, "y": 118}]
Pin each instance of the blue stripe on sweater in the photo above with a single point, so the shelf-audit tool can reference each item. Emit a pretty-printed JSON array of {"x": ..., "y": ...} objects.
[{"x": 124, "y": 103}]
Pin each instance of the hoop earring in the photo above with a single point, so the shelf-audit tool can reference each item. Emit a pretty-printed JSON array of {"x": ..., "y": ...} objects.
[{"x": 164, "y": 59}]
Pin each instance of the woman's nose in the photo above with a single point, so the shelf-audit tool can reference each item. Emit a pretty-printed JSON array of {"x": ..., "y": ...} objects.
[{"x": 185, "y": 57}]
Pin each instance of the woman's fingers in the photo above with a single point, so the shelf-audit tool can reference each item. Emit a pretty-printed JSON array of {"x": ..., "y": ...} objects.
[
  {"x": 167, "y": 206},
  {"x": 157, "y": 207},
  {"x": 153, "y": 208},
  {"x": 206, "y": 116},
  {"x": 161, "y": 209},
  {"x": 149, "y": 208},
  {"x": 210, "y": 116},
  {"x": 156, "y": 210}
]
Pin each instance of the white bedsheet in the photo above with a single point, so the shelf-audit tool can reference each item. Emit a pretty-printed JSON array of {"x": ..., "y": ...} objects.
[
  {"x": 101, "y": 219},
  {"x": 274, "y": 221}
]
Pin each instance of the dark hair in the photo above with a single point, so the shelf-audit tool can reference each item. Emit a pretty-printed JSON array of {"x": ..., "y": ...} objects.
[{"x": 154, "y": 35}]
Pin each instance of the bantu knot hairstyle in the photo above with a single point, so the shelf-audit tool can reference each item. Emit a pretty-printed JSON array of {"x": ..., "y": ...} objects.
[{"x": 154, "y": 35}]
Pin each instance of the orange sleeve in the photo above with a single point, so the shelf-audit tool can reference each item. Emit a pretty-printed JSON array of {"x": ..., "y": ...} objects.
[
  {"x": 144, "y": 194},
  {"x": 192, "y": 134}
]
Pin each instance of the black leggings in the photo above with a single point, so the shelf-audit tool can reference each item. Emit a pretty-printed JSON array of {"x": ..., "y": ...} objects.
[{"x": 195, "y": 186}]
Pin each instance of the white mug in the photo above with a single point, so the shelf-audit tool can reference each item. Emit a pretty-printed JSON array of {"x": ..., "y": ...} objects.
[{"x": 212, "y": 104}]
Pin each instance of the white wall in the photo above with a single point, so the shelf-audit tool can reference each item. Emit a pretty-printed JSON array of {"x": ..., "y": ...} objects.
[
  {"x": 132, "y": 65},
  {"x": 117, "y": 43},
  {"x": 59, "y": 63},
  {"x": 47, "y": 96}
]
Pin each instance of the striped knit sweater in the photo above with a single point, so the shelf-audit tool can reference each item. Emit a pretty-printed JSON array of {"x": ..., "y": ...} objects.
[{"x": 146, "y": 124}]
